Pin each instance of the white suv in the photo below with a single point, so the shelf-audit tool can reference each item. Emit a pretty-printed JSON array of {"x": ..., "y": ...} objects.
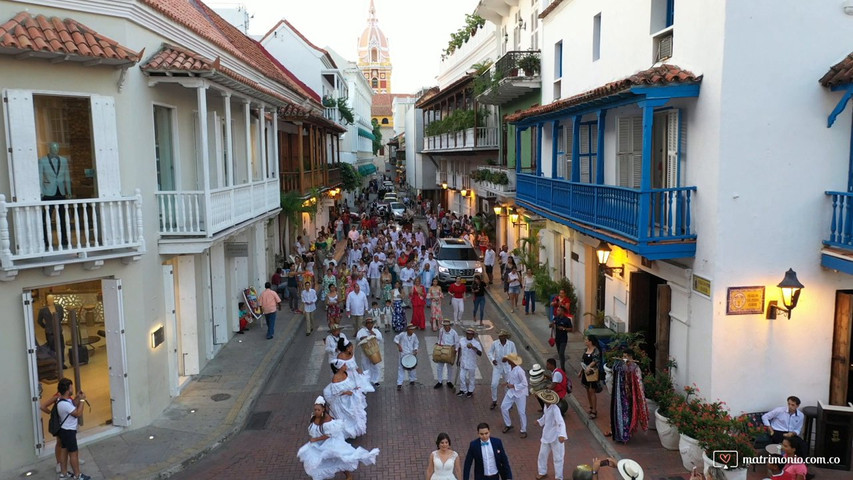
[{"x": 457, "y": 258}]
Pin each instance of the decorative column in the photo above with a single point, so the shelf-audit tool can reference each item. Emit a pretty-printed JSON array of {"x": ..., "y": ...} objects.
[
  {"x": 262, "y": 139},
  {"x": 247, "y": 115},
  {"x": 205, "y": 157},
  {"x": 229, "y": 142}
]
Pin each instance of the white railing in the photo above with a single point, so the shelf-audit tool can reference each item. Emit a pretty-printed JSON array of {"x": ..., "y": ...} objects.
[
  {"x": 481, "y": 137},
  {"x": 183, "y": 213},
  {"x": 495, "y": 187},
  {"x": 332, "y": 114},
  {"x": 32, "y": 232}
]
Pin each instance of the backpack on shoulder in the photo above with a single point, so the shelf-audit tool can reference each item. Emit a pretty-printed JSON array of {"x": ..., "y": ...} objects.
[{"x": 54, "y": 424}]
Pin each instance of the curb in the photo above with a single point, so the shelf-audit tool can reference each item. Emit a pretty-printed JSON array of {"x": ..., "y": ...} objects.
[{"x": 572, "y": 401}]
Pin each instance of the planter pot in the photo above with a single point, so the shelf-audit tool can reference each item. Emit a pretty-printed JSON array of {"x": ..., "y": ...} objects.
[
  {"x": 652, "y": 407},
  {"x": 667, "y": 433},
  {"x": 734, "y": 474},
  {"x": 691, "y": 452},
  {"x": 529, "y": 73},
  {"x": 608, "y": 378}
]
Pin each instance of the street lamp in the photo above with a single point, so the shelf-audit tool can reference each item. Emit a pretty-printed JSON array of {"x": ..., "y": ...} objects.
[
  {"x": 444, "y": 185},
  {"x": 603, "y": 254},
  {"x": 498, "y": 210},
  {"x": 791, "y": 288}
]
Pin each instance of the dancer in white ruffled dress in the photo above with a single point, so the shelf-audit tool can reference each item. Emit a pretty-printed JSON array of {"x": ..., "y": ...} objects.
[
  {"x": 346, "y": 402},
  {"x": 362, "y": 379},
  {"x": 443, "y": 463},
  {"x": 327, "y": 453}
]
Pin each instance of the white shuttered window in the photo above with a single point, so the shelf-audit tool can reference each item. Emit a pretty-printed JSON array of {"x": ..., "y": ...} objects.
[{"x": 629, "y": 151}]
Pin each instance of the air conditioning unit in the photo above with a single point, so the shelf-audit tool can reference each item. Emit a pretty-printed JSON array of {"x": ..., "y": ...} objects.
[
  {"x": 663, "y": 47},
  {"x": 617, "y": 325}
]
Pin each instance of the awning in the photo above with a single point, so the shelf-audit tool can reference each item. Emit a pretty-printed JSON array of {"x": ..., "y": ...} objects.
[
  {"x": 364, "y": 133},
  {"x": 366, "y": 169}
]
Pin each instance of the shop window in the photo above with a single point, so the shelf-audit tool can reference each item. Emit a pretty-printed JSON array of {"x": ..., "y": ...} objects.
[{"x": 66, "y": 162}]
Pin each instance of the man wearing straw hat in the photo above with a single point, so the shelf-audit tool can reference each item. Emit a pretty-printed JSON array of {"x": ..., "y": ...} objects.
[
  {"x": 553, "y": 435},
  {"x": 500, "y": 370},
  {"x": 364, "y": 333},
  {"x": 516, "y": 393},
  {"x": 469, "y": 348},
  {"x": 407, "y": 343},
  {"x": 446, "y": 336}
]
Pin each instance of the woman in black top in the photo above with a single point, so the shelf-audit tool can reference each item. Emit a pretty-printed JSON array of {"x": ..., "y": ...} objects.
[
  {"x": 591, "y": 360},
  {"x": 479, "y": 291}
]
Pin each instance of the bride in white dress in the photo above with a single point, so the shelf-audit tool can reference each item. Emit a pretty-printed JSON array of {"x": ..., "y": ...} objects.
[
  {"x": 443, "y": 463},
  {"x": 327, "y": 453}
]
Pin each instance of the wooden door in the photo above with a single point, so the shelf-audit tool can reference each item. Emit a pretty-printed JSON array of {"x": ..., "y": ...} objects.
[
  {"x": 841, "y": 369},
  {"x": 664, "y": 304}
]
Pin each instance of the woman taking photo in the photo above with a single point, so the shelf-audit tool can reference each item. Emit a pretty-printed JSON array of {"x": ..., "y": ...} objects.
[
  {"x": 561, "y": 300},
  {"x": 443, "y": 463},
  {"x": 513, "y": 281},
  {"x": 591, "y": 364},
  {"x": 435, "y": 295}
]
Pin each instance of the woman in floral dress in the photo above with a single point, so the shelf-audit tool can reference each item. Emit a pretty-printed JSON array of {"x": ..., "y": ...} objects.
[
  {"x": 398, "y": 315},
  {"x": 435, "y": 295},
  {"x": 328, "y": 280},
  {"x": 333, "y": 306},
  {"x": 385, "y": 281}
]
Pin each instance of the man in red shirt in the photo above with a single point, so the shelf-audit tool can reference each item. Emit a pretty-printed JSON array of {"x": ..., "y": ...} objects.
[{"x": 457, "y": 290}]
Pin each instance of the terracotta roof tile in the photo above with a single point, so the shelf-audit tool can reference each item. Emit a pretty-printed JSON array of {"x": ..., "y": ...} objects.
[
  {"x": 383, "y": 104},
  {"x": 202, "y": 20},
  {"x": 61, "y": 37},
  {"x": 839, "y": 74},
  {"x": 173, "y": 58},
  {"x": 660, "y": 75}
]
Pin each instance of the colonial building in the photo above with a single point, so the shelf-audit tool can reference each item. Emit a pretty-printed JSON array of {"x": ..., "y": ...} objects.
[
  {"x": 139, "y": 201},
  {"x": 654, "y": 142}
]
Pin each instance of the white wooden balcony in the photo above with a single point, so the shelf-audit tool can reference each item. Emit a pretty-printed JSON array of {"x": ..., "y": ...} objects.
[
  {"x": 50, "y": 234},
  {"x": 200, "y": 213},
  {"x": 480, "y": 138},
  {"x": 494, "y": 185}
]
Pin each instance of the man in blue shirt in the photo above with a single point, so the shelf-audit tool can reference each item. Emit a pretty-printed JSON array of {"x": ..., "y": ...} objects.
[{"x": 785, "y": 421}]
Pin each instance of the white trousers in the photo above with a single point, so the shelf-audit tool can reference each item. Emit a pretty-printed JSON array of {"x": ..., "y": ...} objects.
[
  {"x": 402, "y": 373},
  {"x": 466, "y": 379},
  {"x": 375, "y": 289},
  {"x": 558, "y": 451},
  {"x": 370, "y": 369},
  {"x": 520, "y": 405},
  {"x": 497, "y": 373},
  {"x": 458, "y": 309},
  {"x": 445, "y": 371}
]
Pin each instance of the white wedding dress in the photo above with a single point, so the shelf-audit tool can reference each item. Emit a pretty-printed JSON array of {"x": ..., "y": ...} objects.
[{"x": 443, "y": 470}]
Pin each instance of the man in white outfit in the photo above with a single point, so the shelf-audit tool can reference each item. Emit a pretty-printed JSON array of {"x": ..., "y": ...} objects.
[
  {"x": 407, "y": 276},
  {"x": 446, "y": 336},
  {"x": 516, "y": 393},
  {"x": 469, "y": 348},
  {"x": 553, "y": 435},
  {"x": 357, "y": 305},
  {"x": 374, "y": 273},
  {"x": 500, "y": 369},
  {"x": 369, "y": 367},
  {"x": 335, "y": 334},
  {"x": 407, "y": 343}
]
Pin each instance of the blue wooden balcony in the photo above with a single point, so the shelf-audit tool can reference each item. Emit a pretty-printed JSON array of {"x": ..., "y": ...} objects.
[
  {"x": 837, "y": 253},
  {"x": 656, "y": 224}
]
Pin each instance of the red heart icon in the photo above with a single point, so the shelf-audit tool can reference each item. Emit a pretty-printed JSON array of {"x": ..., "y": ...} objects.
[{"x": 725, "y": 458}]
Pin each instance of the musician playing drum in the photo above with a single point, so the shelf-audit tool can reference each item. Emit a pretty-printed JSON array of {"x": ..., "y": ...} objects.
[
  {"x": 365, "y": 332},
  {"x": 447, "y": 336},
  {"x": 407, "y": 344}
]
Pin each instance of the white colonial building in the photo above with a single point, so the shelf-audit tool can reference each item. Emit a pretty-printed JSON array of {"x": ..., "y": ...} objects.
[
  {"x": 140, "y": 196},
  {"x": 691, "y": 137}
]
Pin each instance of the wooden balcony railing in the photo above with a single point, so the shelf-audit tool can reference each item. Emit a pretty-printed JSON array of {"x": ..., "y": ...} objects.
[
  {"x": 471, "y": 138},
  {"x": 50, "y": 231}
]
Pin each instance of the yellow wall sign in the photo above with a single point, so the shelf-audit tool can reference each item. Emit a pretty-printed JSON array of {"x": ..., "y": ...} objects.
[
  {"x": 702, "y": 285},
  {"x": 745, "y": 301}
]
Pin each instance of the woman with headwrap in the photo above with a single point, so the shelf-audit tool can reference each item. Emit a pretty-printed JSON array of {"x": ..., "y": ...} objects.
[
  {"x": 346, "y": 402},
  {"x": 327, "y": 452},
  {"x": 362, "y": 380}
]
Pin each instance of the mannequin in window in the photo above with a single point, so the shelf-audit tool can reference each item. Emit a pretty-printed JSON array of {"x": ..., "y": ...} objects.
[
  {"x": 55, "y": 179},
  {"x": 50, "y": 318}
]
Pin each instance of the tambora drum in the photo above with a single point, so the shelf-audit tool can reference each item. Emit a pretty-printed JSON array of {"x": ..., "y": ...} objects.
[
  {"x": 409, "y": 361},
  {"x": 444, "y": 354},
  {"x": 370, "y": 347}
]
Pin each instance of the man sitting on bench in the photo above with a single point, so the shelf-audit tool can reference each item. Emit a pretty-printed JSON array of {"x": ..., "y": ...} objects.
[{"x": 784, "y": 421}]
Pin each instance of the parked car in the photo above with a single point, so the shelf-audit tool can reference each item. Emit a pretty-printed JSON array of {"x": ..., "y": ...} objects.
[
  {"x": 457, "y": 258},
  {"x": 390, "y": 197},
  {"x": 398, "y": 210}
]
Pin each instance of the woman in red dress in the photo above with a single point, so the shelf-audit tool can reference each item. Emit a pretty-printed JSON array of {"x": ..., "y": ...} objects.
[
  {"x": 561, "y": 300},
  {"x": 419, "y": 304}
]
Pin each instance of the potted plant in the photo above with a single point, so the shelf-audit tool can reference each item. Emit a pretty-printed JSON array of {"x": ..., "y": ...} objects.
[
  {"x": 738, "y": 437},
  {"x": 693, "y": 418},
  {"x": 667, "y": 432},
  {"x": 530, "y": 64}
]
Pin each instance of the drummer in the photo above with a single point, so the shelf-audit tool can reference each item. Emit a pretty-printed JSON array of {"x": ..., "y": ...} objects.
[
  {"x": 407, "y": 344},
  {"x": 365, "y": 333},
  {"x": 469, "y": 349},
  {"x": 446, "y": 336}
]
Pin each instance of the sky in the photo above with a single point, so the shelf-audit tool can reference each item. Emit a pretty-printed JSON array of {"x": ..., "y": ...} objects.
[{"x": 417, "y": 31}]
